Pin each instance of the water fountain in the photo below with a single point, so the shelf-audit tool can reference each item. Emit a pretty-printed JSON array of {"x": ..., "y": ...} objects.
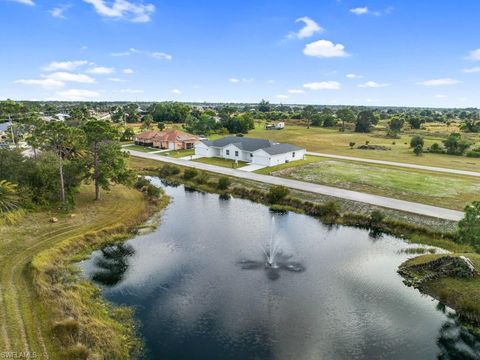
[{"x": 274, "y": 258}]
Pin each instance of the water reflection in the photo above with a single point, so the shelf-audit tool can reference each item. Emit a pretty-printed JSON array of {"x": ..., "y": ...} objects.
[
  {"x": 194, "y": 300},
  {"x": 112, "y": 264}
]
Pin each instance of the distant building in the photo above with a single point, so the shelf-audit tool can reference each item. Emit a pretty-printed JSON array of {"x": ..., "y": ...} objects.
[
  {"x": 277, "y": 126},
  {"x": 255, "y": 151},
  {"x": 169, "y": 139}
]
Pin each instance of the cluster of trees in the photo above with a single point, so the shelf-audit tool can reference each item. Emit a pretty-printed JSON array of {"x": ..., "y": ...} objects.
[{"x": 64, "y": 157}]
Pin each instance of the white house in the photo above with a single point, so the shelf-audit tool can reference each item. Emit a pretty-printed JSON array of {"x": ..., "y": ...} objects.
[{"x": 255, "y": 151}]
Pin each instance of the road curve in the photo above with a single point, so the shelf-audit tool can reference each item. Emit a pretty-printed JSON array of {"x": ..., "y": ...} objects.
[
  {"x": 399, "y": 164},
  {"x": 390, "y": 203}
]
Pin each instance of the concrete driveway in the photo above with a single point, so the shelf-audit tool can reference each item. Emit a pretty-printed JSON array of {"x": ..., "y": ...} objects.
[
  {"x": 382, "y": 201},
  {"x": 251, "y": 167}
]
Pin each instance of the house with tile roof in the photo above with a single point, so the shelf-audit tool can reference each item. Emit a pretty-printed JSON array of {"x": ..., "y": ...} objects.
[
  {"x": 256, "y": 151},
  {"x": 171, "y": 139}
]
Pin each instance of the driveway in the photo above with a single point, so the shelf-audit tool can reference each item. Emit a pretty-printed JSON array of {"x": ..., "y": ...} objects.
[
  {"x": 251, "y": 167},
  {"x": 399, "y": 164},
  {"x": 390, "y": 203}
]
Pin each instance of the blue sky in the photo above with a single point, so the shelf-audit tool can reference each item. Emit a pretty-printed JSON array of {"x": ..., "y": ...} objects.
[{"x": 413, "y": 53}]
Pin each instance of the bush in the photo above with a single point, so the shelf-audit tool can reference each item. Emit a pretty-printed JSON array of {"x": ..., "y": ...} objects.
[
  {"x": 376, "y": 217},
  {"x": 436, "y": 148},
  {"x": 141, "y": 183},
  {"x": 277, "y": 193},
  {"x": 418, "y": 150},
  {"x": 202, "y": 178},
  {"x": 415, "y": 141},
  {"x": 475, "y": 153},
  {"x": 168, "y": 170},
  {"x": 351, "y": 144},
  {"x": 223, "y": 183},
  {"x": 153, "y": 191},
  {"x": 189, "y": 174}
]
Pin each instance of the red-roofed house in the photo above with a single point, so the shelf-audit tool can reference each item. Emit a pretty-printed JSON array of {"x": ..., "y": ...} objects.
[{"x": 171, "y": 139}]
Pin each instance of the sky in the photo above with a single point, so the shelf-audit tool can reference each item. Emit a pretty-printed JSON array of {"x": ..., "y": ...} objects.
[{"x": 386, "y": 53}]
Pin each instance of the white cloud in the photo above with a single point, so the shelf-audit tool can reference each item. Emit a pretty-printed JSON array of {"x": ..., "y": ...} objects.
[
  {"x": 176, "y": 92},
  {"x": 359, "y": 10},
  {"x": 353, "y": 76},
  {"x": 64, "y": 65},
  {"x": 271, "y": 81},
  {"x": 441, "y": 96},
  {"x": 116, "y": 80},
  {"x": 161, "y": 56},
  {"x": 439, "y": 82},
  {"x": 475, "y": 69},
  {"x": 77, "y": 94},
  {"x": 70, "y": 77},
  {"x": 44, "y": 83},
  {"x": 128, "y": 71},
  {"x": 372, "y": 84},
  {"x": 123, "y": 10},
  {"x": 296, "y": 91},
  {"x": 324, "y": 48},
  {"x": 282, "y": 97},
  {"x": 24, "y": 2},
  {"x": 131, "y": 91},
  {"x": 310, "y": 28},
  {"x": 323, "y": 85},
  {"x": 243, "y": 80},
  {"x": 474, "y": 55},
  {"x": 101, "y": 70},
  {"x": 58, "y": 12}
]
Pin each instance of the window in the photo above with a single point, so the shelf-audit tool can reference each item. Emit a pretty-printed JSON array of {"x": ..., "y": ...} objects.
[
  {"x": 293, "y": 154},
  {"x": 227, "y": 152},
  {"x": 251, "y": 155},
  {"x": 236, "y": 153}
]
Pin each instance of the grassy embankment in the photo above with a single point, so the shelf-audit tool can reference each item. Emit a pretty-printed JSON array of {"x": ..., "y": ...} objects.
[
  {"x": 332, "y": 141},
  {"x": 44, "y": 307},
  {"x": 179, "y": 153},
  {"x": 140, "y": 148},
  {"x": 461, "y": 294},
  {"x": 433, "y": 188}
]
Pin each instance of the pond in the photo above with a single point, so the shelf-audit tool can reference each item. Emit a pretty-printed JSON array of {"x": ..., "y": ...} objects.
[{"x": 201, "y": 289}]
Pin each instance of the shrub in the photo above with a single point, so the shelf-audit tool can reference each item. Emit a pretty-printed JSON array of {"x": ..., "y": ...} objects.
[
  {"x": 202, "y": 178},
  {"x": 277, "y": 193},
  {"x": 351, "y": 144},
  {"x": 189, "y": 174},
  {"x": 436, "y": 148},
  {"x": 418, "y": 150},
  {"x": 376, "y": 217},
  {"x": 223, "y": 183},
  {"x": 168, "y": 170},
  {"x": 475, "y": 153},
  {"x": 153, "y": 191},
  {"x": 141, "y": 183}
]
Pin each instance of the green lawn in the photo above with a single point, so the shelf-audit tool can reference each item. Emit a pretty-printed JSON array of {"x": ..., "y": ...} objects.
[
  {"x": 179, "y": 153},
  {"x": 450, "y": 191},
  {"x": 140, "y": 148},
  {"x": 332, "y": 141},
  {"x": 222, "y": 162},
  {"x": 292, "y": 164}
]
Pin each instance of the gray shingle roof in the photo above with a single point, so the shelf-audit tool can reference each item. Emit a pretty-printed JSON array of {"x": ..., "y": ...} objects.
[
  {"x": 251, "y": 144},
  {"x": 281, "y": 149},
  {"x": 244, "y": 143}
]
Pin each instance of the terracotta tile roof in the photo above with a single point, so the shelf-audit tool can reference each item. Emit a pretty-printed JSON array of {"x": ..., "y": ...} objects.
[
  {"x": 148, "y": 135},
  {"x": 174, "y": 135}
]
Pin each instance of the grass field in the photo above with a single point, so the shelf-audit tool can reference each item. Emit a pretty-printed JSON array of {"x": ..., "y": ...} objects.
[
  {"x": 449, "y": 191},
  {"x": 222, "y": 162},
  {"x": 28, "y": 306},
  {"x": 179, "y": 153},
  {"x": 140, "y": 148},
  {"x": 332, "y": 141}
]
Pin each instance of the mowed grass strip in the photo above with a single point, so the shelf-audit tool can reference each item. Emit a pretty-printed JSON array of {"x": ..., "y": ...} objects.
[
  {"x": 25, "y": 314},
  {"x": 444, "y": 190},
  {"x": 332, "y": 141},
  {"x": 222, "y": 162}
]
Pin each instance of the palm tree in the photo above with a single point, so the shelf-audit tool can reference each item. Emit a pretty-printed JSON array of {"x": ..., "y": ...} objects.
[{"x": 9, "y": 199}]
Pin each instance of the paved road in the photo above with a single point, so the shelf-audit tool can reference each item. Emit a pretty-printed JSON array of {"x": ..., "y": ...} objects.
[
  {"x": 399, "y": 164},
  {"x": 390, "y": 203}
]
